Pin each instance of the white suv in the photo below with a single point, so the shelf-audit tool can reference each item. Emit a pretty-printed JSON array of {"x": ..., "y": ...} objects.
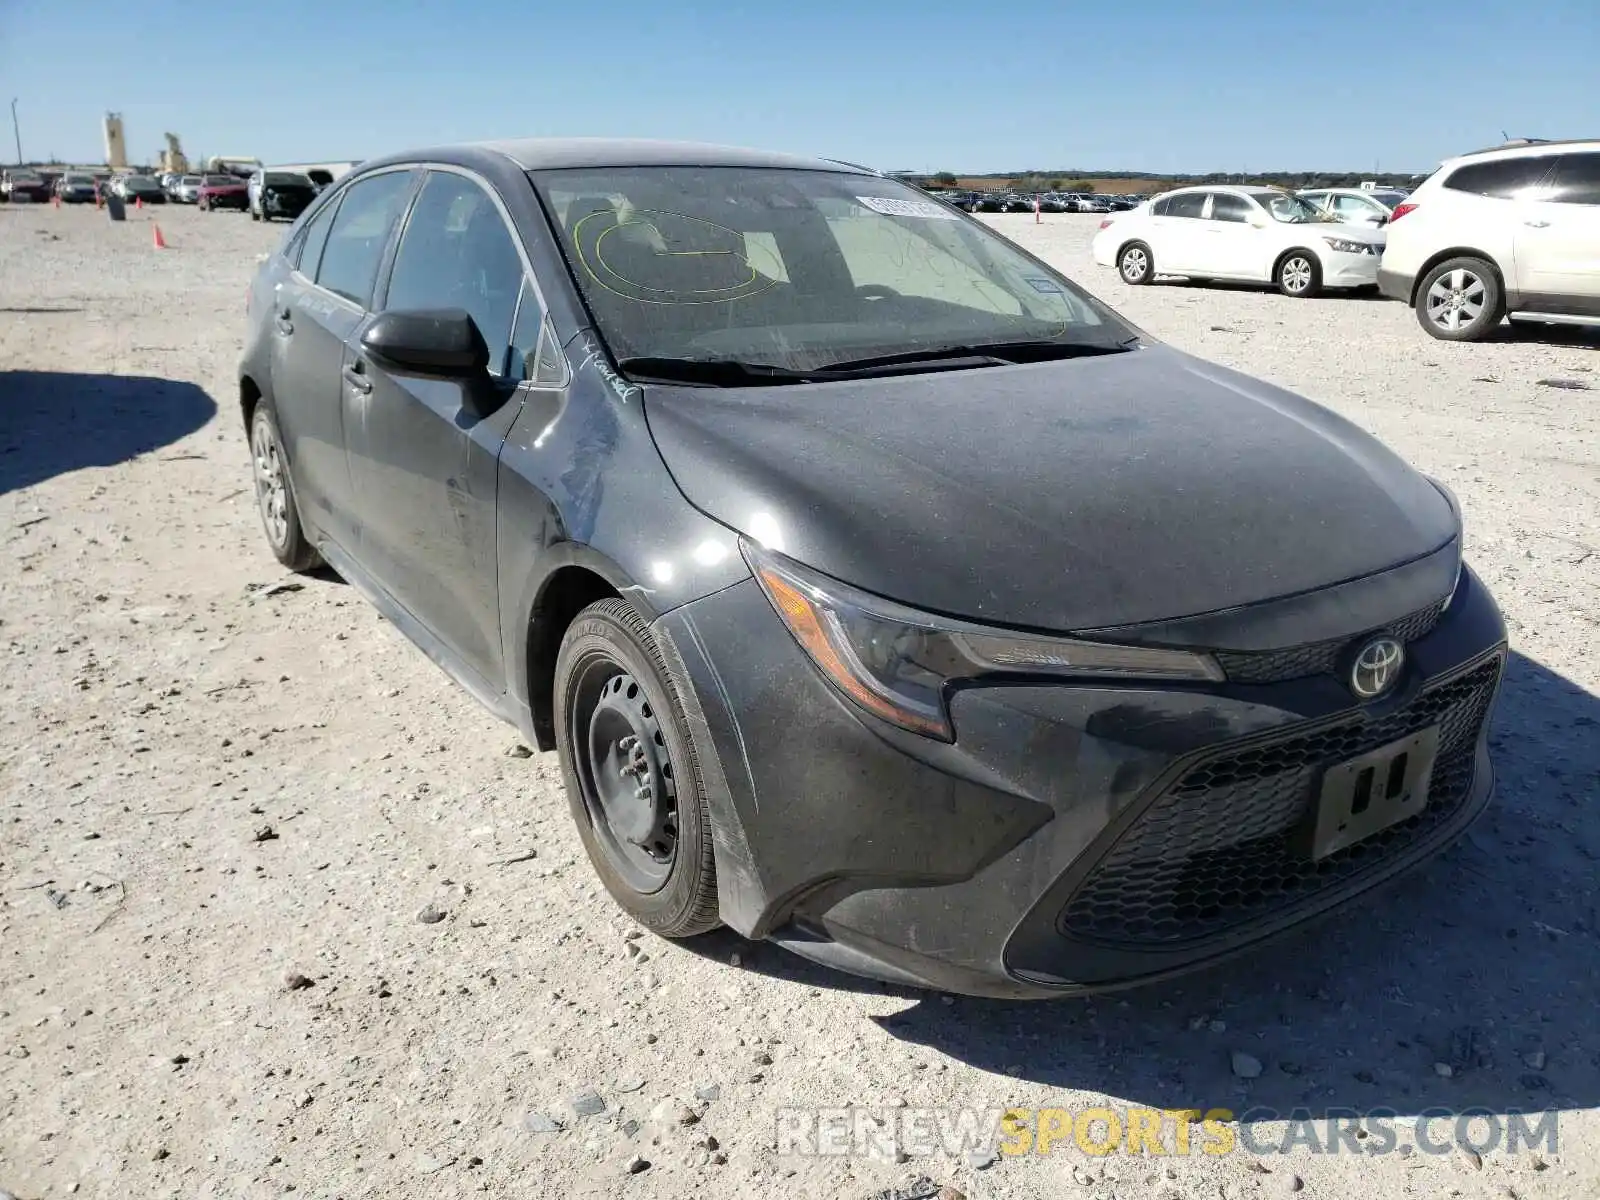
[{"x": 1513, "y": 232}]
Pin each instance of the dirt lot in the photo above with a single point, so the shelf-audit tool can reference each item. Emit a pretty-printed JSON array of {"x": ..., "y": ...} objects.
[{"x": 229, "y": 816}]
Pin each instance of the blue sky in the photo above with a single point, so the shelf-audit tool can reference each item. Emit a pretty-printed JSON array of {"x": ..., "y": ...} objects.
[{"x": 1159, "y": 85}]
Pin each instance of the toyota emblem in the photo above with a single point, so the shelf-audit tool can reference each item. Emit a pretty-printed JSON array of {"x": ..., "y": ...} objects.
[{"x": 1376, "y": 667}]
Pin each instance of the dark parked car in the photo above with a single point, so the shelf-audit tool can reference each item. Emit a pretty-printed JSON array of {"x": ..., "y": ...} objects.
[
  {"x": 222, "y": 191},
  {"x": 882, "y": 593},
  {"x": 75, "y": 188},
  {"x": 275, "y": 194}
]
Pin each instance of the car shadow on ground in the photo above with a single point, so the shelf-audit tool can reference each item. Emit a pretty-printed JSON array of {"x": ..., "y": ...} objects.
[
  {"x": 1472, "y": 982},
  {"x": 52, "y": 423}
]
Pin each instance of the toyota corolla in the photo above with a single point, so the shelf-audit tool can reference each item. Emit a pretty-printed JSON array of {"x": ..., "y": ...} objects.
[{"x": 882, "y": 593}]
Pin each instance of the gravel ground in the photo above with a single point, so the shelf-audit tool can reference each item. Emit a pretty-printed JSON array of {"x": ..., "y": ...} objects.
[{"x": 270, "y": 914}]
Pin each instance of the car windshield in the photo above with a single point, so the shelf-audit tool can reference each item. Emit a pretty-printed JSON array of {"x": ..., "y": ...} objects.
[
  {"x": 24, "y": 177},
  {"x": 1388, "y": 199},
  {"x": 220, "y": 181},
  {"x": 78, "y": 180},
  {"x": 1291, "y": 210},
  {"x": 190, "y": 180},
  {"x": 140, "y": 184},
  {"x": 799, "y": 270},
  {"x": 285, "y": 179}
]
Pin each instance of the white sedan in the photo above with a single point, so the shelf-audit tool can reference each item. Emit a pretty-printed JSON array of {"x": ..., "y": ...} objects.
[{"x": 1246, "y": 233}]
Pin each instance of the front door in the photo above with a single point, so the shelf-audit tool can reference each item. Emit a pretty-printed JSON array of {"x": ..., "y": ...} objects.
[
  {"x": 424, "y": 463},
  {"x": 1229, "y": 246}
]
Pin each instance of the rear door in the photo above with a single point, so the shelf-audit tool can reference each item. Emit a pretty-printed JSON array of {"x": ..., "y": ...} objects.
[
  {"x": 1177, "y": 233},
  {"x": 424, "y": 465},
  {"x": 1558, "y": 239},
  {"x": 316, "y": 309}
]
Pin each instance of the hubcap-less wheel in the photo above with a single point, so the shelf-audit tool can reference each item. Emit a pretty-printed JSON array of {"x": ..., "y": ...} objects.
[
  {"x": 1297, "y": 275},
  {"x": 1135, "y": 264},
  {"x": 1456, "y": 299},
  {"x": 626, "y": 775},
  {"x": 271, "y": 494}
]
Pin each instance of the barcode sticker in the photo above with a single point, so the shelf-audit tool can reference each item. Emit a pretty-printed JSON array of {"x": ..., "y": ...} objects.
[{"x": 908, "y": 208}]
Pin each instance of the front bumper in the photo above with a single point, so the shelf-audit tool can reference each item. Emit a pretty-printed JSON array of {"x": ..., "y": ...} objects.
[
  {"x": 1074, "y": 837},
  {"x": 1341, "y": 270}
]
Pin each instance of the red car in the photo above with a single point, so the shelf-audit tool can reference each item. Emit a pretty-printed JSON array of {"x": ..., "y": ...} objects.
[
  {"x": 223, "y": 191},
  {"x": 21, "y": 186}
]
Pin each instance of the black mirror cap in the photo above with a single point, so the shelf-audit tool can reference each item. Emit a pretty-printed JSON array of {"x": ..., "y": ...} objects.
[{"x": 441, "y": 342}]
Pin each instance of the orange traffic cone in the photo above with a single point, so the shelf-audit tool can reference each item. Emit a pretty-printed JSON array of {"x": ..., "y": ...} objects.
[
  {"x": 56, "y": 199},
  {"x": 138, "y": 201},
  {"x": 160, "y": 242}
]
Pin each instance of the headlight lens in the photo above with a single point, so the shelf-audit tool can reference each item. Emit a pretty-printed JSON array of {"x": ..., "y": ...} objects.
[
  {"x": 896, "y": 662},
  {"x": 1347, "y": 247}
]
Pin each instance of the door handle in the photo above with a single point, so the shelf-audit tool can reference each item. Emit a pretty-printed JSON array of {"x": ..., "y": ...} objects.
[
  {"x": 1537, "y": 224},
  {"x": 356, "y": 376}
]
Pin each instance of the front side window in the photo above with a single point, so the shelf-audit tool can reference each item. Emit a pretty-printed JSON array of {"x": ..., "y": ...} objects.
[
  {"x": 1225, "y": 206},
  {"x": 1354, "y": 208},
  {"x": 456, "y": 252},
  {"x": 1577, "y": 179},
  {"x": 1289, "y": 209},
  {"x": 798, "y": 270},
  {"x": 359, "y": 234}
]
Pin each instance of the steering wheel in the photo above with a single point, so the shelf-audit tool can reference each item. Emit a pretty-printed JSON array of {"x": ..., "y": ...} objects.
[{"x": 877, "y": 291}]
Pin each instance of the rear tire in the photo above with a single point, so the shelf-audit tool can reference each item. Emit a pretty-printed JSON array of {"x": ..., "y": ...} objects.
[
  {"x": 280, "y": 516},
  {"x": 1299, "y": 275},
  {"x": 632, "y": 771},
  {"x": 1136, "y": 264},
  {"x": 1460, "y": 300}
]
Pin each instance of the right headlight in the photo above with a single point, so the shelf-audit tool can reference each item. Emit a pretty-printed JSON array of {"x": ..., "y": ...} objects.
[{"x": 896, "y": 662}]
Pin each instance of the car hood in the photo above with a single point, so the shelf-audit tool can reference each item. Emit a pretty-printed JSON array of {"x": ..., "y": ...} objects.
[
  {"x": 1071, "y": 495},
  {"x": 1354, "y": 231}
]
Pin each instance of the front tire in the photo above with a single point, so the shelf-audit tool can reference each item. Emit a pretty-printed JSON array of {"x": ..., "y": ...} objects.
[
  {"x": 1299, "y": 275},
  {"x": 1136, "y": 264},
  {"x": 1460, "y": 300},
  {"x": 280, "y": 517},
  {"x": 632, "y": 772}
]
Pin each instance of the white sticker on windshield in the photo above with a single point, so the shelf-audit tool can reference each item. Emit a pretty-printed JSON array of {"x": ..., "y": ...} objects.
[{"x": 908, "y": 208}]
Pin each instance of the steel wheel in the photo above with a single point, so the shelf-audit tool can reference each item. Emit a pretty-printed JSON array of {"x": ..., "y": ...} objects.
[
  {"x": 271, "y": 493},
  {"x": 626, "y": 775}
]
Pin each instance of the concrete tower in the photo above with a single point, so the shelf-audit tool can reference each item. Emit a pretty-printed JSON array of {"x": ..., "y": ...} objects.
[{"x": 116, "y": 146}]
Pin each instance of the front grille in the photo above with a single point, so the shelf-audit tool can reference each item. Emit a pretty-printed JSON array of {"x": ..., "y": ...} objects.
[
  {"x": 1318, "y": 658},
  {"x": 1224, "y": 845}
]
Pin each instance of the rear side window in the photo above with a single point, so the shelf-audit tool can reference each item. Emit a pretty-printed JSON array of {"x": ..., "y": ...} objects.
[
  {"x": 1501, "y": 178},
  {"x": 1577, "y": 179},
  {"x": 360, "y": 233},
  {"x": 456, "y": 252},
  {"x": 1189, "y": 204},
  {"x": 309, "y": 254}
]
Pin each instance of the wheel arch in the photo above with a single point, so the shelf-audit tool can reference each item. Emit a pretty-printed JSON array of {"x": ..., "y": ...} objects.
[
  {"x": 577, "y": 577},
  {"x": 1277, "y": 263},
  {"x": 1433, "y": 260},
  {"x": 250, "y": 395}
]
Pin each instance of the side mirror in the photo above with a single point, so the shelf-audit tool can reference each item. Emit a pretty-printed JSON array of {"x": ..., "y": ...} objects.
[{"x": 442, "y": 343}]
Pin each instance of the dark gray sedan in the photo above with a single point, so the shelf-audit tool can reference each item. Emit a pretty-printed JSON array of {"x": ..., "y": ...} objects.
[{"x": 883, "y": 594}]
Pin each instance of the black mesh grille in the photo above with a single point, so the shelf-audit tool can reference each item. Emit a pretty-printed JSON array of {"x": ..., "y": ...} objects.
[
  {"x": 1317, "y": 658},
  {"x": 1224, "y": 845}
]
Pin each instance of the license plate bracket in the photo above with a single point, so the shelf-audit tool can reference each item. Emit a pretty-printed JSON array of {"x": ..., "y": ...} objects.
[{"x": 1364, "y": 795}]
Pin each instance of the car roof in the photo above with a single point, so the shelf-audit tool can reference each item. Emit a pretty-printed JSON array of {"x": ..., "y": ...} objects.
[
  {"x": 1526, "y": 146},
  {"x": 532, "y": 154},
  {"x": 1237, "y": 189}
]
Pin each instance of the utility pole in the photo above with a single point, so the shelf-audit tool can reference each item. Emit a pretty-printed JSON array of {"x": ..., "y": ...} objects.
[{"x": 17, "y": 130}]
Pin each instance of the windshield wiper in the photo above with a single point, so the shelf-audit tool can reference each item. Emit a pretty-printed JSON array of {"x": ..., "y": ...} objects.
[{"x": 732, "y": 372}]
